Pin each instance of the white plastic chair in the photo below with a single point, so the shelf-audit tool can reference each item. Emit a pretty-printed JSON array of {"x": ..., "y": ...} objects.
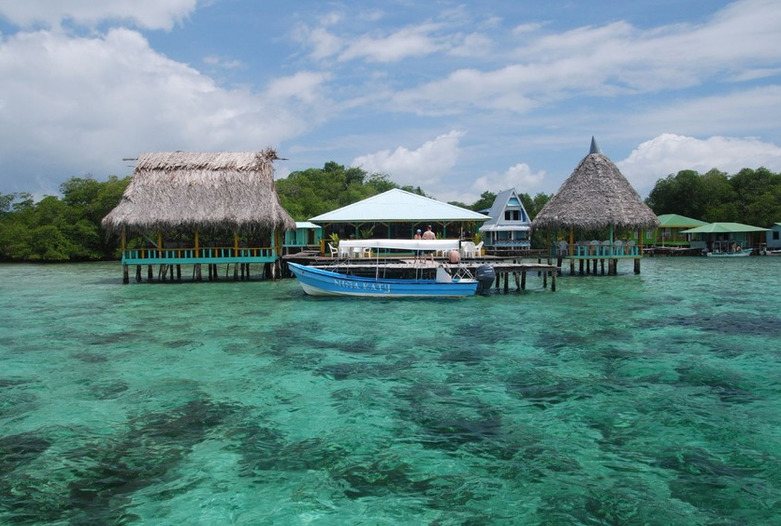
[
  {"x": 334, "y": 251},
  {"x": 478, "y": 250}
]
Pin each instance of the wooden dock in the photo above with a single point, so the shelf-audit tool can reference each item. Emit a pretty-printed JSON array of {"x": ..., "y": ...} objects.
[{"x": 506, "y": 271}]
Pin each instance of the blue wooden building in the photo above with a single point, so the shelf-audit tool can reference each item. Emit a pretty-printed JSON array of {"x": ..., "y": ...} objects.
[
  {"x": 773, "y": 241},
  {"x": 509, "y": 224},
  {"x": 306, "y": 236}
]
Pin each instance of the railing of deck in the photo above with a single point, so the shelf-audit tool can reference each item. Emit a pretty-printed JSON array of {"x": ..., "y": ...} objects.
[
  {"x": 599, "y": 249},
  {"x": 198, "y": 255}
]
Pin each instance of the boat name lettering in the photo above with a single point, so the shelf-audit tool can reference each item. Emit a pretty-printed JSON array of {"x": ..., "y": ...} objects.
[{"x": 383, "y": 288}]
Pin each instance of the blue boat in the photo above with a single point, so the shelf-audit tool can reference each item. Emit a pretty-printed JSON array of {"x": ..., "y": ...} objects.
[{"x": 321, "y": 282}]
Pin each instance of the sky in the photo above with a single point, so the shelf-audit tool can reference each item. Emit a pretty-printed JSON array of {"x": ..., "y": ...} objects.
[{"x": 456, "y": 97}]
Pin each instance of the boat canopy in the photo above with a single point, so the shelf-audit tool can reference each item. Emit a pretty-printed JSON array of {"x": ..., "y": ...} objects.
[{"x": 401, "y": 244}]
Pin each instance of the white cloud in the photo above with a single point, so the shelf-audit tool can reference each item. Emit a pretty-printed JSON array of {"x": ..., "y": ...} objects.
[
  {"x": 407, "y": 42},
  {"x": 151, "y": 14},
  {"x": 324, "y": 44},
  {"x": 217, "y": 61},
  {"x": 519, "y": 176},
  {"x": 669, "y": 153},
  {"x": 613, "y": 59},
  {"x": 421, "y": 167},
  {"x": 739, "y": 111},
  {"x": 82, "y": 104},
  {"x": 473, "y": 45}
]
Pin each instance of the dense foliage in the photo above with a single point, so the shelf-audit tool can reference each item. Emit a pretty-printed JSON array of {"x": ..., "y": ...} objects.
[
  {"x": 60, "y": 229},
  {"x": 316, "y": 191},
  {"x": 750, "y": 196},
  {"x": 67, "y": 228}
]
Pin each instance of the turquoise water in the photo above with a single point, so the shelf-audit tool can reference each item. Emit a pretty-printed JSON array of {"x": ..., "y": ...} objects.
[{"x": 650, "y": 399}]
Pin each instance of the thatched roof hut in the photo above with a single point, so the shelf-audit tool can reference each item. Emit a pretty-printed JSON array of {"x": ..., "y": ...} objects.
[
  {"x": 174, "y": 190},
  {"x": 595, "y": 196}
]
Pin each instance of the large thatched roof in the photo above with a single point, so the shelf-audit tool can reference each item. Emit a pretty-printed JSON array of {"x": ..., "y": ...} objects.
[
  {"x": 203, "y": 190},
  {"x": 595, "y": 196}
]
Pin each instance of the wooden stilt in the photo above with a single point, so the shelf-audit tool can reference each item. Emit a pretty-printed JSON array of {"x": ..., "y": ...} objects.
[
  {"x": 523, "y": 280},
  {"x": 545, "y": 279},
  {"x": 637, "y": 266},
  {"x": 553, "y": 283},
  {"x": 149, "y": 273},
  {"x": 138, "y": 273},
  {"x": 125, "y": 275}
]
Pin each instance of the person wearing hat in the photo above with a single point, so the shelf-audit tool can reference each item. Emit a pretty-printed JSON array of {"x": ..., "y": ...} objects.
[{"x": 417, "y": 252}]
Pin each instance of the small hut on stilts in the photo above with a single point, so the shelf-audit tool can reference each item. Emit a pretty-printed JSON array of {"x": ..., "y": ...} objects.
[
  {"x": 200, "y": 209},
  {"x": 595, "y": 202}
]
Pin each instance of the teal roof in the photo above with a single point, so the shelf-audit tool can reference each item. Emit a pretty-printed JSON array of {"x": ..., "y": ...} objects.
[
  {"x": 306, "y": 224},
  {"x": 725, "y": 228},
  {"x": 679, "y": 221}
]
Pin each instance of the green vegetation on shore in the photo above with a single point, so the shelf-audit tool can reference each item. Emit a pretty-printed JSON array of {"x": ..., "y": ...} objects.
[{"x": 67, "y": 228}]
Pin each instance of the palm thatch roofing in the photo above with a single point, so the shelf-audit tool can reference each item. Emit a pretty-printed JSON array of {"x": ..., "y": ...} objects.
[
  {"x": 201, "y": 190},
  {"x": 595, "y": 196}
]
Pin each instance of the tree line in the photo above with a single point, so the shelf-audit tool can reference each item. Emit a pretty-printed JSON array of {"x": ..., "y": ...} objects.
[
  {"x": 750, "y": 196},
  {"x": 67, "y": 227}
]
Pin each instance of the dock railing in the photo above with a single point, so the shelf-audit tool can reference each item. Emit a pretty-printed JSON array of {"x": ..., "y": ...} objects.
[{"x": 192, "y": 255}]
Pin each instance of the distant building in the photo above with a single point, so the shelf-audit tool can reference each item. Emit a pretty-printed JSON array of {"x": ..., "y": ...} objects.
[
  {"x": 509, "y": 224},
  {"x": 774, "y": 237},
  {"x": 396, "y": 214},
  {"x": 668, "y": 233},
  {"x": 306, "y": 236},
  {"x": 722, "y": 236}
]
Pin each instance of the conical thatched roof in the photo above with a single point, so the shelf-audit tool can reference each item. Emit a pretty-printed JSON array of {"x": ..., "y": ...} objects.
[
  {"x": 595, "y": 196},
  {"x": 203, "y": 190}
]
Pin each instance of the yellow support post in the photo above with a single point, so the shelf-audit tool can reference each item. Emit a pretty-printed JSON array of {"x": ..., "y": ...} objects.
[{"x": 571, "y": 241}]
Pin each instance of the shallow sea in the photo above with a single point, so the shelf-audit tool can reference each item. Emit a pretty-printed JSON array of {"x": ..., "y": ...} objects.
[{"x": 650, "y": 399}]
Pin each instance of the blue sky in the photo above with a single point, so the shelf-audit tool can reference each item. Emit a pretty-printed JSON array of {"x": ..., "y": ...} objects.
[{"x": 456, "y": 97}]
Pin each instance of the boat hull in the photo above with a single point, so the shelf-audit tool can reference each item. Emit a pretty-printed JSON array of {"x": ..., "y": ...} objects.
[
  {"x": 320, "y": 282},
  {"x": 740, "y": 254}
]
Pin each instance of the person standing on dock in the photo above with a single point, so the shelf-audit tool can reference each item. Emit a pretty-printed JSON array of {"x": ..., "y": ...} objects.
[
  {"x": 428, "y": 234},
  {"x": 417, "y": 252}
]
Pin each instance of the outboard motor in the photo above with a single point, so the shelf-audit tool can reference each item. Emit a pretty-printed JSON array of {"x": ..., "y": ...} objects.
[{"x": 485, "y": 276}]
